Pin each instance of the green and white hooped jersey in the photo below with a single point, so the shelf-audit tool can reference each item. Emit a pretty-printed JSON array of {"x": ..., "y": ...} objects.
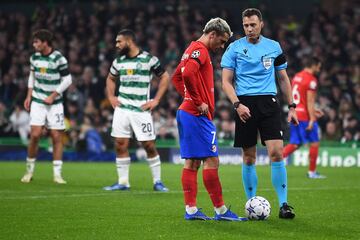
[
  {"x": 48, "y": 71},
  {"x": 134, "y": 76}
]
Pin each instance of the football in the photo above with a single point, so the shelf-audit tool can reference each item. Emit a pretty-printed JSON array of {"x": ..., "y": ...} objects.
[{"x": 257, "y": 208}]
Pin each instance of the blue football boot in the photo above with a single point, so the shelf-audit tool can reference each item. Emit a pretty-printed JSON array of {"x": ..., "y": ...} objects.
[
  {"x": 315, "y": 175},
  {"x": 197, "y": 216},
  {"x": 117, "y": 186},
  {"x": 160, "y": 187},
  {"x": 229, "y": 216}
]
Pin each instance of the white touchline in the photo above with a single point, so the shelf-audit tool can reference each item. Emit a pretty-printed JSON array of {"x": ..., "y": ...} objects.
[{"x": 137, "y": 192}]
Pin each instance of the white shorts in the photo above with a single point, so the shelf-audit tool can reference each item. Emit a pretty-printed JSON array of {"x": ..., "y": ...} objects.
[
  {"x": 125, "y": 122},
  {"x": 50, "y": 116}
]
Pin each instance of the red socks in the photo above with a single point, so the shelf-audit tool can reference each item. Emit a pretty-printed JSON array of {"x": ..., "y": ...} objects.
[
  {"x": 289, "y": 149},
  {"x": 313, "y": 154},
  {"x": 213, "y": 186},
  {"x": 189, "y": 184},
  {"x": 211, "y": 182}
]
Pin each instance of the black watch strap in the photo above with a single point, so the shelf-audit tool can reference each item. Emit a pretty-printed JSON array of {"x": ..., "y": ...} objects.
[
  {"x": 293, "y": 105},
  {"x": 236, "y": 104}
]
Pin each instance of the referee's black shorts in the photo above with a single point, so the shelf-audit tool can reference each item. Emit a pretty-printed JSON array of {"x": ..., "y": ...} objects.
[{"x": 265, "y": 117}]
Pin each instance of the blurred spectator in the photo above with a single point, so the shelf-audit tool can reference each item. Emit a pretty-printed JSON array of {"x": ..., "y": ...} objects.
[
  {"x": 332, "y": 132},
  {"x": 4, "y": 122},
  {"x": 20, "y": 122},
  {"x": 227, "y": 129},
  {"x": 86, "y": 35},
  {"x": 91, "y": 136},
  {"x": 8, "y": 90}
]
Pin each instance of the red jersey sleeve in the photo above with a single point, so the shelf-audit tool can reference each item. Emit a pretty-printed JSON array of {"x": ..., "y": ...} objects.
[
  {"x": 200, "y": 55},
  {"x": 191, "y": 71}
]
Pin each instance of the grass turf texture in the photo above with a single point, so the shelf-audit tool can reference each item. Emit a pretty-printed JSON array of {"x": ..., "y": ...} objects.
[{"x": 325, "y": 208}]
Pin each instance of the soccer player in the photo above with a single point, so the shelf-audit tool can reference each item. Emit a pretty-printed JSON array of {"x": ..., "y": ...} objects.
[
  {"x": 304, "y": 86},
  {"x": 251, "y": 62},
  {"x": 49, "y": 78},
  {"x": 193, "y": 80},
  {"x": 133, "y": 71}
]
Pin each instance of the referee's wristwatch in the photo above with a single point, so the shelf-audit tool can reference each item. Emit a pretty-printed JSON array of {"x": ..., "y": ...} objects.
[
  {"x": 293, "y": 105},
  {"x": 236, "y": 104}
]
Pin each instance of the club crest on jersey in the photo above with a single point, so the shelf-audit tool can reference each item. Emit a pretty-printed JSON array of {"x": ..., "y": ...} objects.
[
  {"x": 213, "y": 148},
  {"x": 313, "y": 85},
  {"x": 267, "y": 62},
  {"x": 129, "y": 71},
  {"x": 138, "y": 66},
  {"x": 195, "y": 54}
]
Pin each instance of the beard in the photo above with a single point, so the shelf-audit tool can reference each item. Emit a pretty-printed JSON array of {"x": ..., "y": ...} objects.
[{"x": 124, "y": 51}]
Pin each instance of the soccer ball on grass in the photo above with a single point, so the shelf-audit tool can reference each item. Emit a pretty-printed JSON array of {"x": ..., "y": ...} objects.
[{"x": 257, "y": 208}]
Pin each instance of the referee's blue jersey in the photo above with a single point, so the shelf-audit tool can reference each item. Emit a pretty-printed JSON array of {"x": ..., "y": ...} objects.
[{"x": 253, "y": 65}]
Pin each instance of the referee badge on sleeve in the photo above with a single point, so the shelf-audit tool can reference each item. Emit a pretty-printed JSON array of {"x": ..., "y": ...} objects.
[{"x": 267, "y": 62}]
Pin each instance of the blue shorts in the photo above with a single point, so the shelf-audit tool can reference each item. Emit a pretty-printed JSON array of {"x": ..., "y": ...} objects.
[
  {"x": 197, "y": 136},
  {"x": 299, "y": 135}
]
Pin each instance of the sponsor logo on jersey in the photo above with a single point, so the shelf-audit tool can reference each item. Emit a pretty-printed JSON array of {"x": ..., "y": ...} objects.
[
  {"x": 42, "y": 70},
  {"x": 185, "y": 56}
]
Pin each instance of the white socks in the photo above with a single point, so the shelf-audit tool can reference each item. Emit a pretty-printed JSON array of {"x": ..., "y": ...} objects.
[
  {"x": 221, "y": 210},
  {"x": 57, "y": 167},
  {"x": 155, "y": 166},
  {"x": 191, "y": 210},
  {"x": 122, "y": 167},
  {"x": 30, "y": 165}
]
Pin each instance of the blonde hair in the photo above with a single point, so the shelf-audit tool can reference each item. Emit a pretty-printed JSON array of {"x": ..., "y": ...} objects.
[{"x": 219, "y": 25}]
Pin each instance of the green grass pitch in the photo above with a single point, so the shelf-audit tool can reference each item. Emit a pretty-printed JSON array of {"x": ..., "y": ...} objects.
[{"x": 326, "y": 208}]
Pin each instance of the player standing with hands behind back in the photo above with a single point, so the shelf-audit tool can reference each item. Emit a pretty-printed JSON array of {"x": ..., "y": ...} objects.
[
  {"x": 194, "y": 81},
  {"x": 251, "y": 62}
]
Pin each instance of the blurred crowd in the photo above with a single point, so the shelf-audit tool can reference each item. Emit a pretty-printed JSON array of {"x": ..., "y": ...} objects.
[{"x": 86, "y": 36}]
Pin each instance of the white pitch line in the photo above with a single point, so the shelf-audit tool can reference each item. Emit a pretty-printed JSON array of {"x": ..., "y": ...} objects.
[{"x": 136, "y": 192}]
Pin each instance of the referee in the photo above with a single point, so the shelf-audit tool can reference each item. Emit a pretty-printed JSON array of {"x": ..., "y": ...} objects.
[{"x": 248, "y": 77}]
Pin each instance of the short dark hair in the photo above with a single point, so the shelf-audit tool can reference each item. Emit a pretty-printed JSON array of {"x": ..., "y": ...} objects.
[
  {"x": 311, "y": 61},
  {"x": 44, "y": 35},
  {"x": 251, "y": 12},
  {"x": 128, "y": 33}
]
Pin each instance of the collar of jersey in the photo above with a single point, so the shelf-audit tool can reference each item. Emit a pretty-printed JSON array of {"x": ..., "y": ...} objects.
[{"x": 140, "y": 52}]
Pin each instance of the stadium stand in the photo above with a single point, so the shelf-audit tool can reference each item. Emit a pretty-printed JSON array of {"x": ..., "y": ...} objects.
[{"x": 86, "y": 35}]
